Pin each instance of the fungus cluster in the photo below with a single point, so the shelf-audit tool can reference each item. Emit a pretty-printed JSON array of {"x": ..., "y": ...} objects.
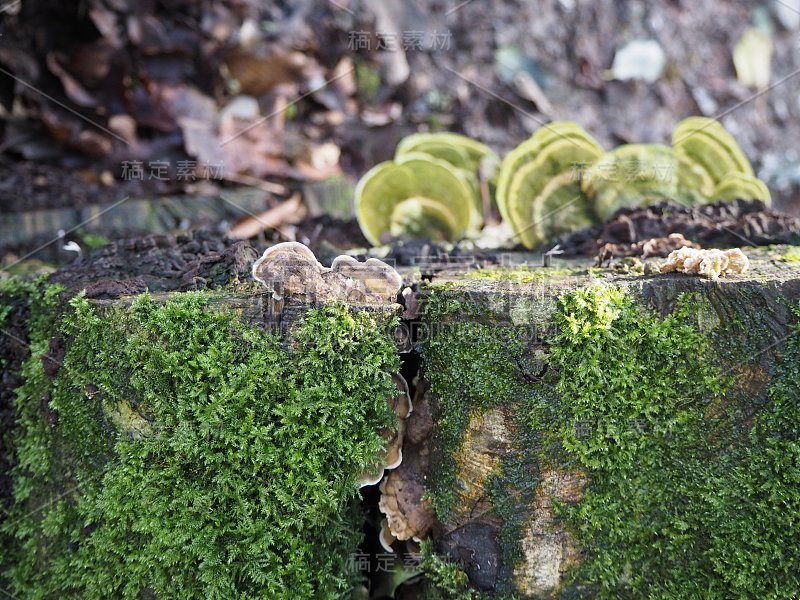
[
  {"x": 711, "y": 165},
  {"x": 538, "y": 190},
  {"x": 408, "y": 511},
  {"x": 393, "y": 450},
  {"x": 708, "y": 263},
  {"x": 556, "y": 182},
  {"x": 431, "y": 189},
  {"x": 290, "y": 269}
]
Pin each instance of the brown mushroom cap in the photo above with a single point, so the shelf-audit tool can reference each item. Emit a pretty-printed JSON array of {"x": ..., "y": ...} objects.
[
  {"x": 291, "y": 269},
  {"x": 288, "y": 268},
  {"x": 393, "y": 450},
  {"x": 386, "y": 538},
  {"x": 370, "y": 478},
  {"x": 408, "y": 514},
  {"x": 373, "y": 278}
]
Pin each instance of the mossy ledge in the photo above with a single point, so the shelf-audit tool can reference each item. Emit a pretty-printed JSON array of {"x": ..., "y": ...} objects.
[
  {"x": 594, "y": 435},
  {"x": 172, "y": 448},
  {"x": 638, "y": 435}
]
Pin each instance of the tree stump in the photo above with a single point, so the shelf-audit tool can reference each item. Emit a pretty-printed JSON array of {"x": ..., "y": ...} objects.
[
  {"x": 540, "y": 391},
  {"x": 507, "y": 494}
]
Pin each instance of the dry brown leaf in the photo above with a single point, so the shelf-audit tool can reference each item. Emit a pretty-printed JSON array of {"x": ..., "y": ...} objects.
[{"x": 289, "y": 211}]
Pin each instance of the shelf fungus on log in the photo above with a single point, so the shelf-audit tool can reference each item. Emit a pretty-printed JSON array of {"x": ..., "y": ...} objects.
[
  {"x": 290, "y": 269},
  {"x": 393, "y": 451},
  {"x": 708, "y": 263},
  {"x": 538, "y": 189},
  {"x": 476, "y": 161},
  {"x": 739, "y": 185},
  {"x": 416, "y": 195},
  {"x": 409, "y": 513}
]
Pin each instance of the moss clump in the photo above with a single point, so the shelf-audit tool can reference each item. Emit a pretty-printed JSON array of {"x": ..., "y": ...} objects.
[
  {"x": 474, "y": 367},
  {"x": 521, "y": 274},
  {"x": 791, "y": 255},
  {"x": 675, "y": 508},
  {"x": 471, "y": 367},
  {"x": 446, "y": 580},
  {"x": 241, "y": 486}
]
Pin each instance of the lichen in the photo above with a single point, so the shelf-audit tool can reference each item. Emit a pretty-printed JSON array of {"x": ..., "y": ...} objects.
[
  {"x": 244, "y": 487},
  {"x": 790, "y": 255}
]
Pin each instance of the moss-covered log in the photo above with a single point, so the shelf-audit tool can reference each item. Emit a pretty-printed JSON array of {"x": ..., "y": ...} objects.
[
  {"x": 193, "y": 444},
  {"x": 577, "y": 432},
  {"x": 609, "y": 435}
]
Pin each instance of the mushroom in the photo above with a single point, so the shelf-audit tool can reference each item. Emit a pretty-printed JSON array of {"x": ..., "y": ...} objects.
[
  {"x": 416, "y": 195},
  {"x": 373, "y": 278},
  {"x": 409, "y": 515},
  {"x": 631, "y": 175},
  {"x": 474, "y": 160},
  {"x": 524, "y": 195},
  {"x": 386, "y": 538},
  {"x": 738, "y": 185},
  {"x": 400, "y": 403},
  {"x": 288, "y": 268},
  {"x": 711, "y": 162},
  {"x": 709, "y": 263},
  {"x": 291, "y": 269}
]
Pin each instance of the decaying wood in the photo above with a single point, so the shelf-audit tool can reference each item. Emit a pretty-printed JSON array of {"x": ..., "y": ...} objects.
[{"x": 470, "y": 534}]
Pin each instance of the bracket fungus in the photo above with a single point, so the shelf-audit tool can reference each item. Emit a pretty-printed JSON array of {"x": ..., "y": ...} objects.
[
  {"x": 630, "y": 175},
  {"x": 401, "y": 404},
  {"x": 712, "y": 165},
  {"x": 740, "y": 185},
  {"x": 475, "y": 161},
  {"x": 708, "y": 263},
  {"x": 416, "y": 195},
  {"x": 447, "y": 146},
  {"x": 538, "y": 188},
  {"x": 291, "y": 270},
  {"x": 407, "y": 509}
]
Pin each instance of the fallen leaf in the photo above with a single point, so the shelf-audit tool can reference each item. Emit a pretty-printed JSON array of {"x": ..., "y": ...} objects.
[
  {"x": 639, "y": 59},
  {"x": 289, "y": 211},
  {"x": 752, "y": 57}
]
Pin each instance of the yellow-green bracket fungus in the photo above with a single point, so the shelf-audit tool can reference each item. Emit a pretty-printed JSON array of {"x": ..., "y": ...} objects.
[
  {"x": 417, "y": 196},
  {"x": 433, "y": 188},
  {"x": 711, "y": 164},
  {"x": 538, "y": 188}
]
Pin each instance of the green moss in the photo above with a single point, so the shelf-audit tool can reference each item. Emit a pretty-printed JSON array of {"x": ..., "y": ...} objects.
[
  {"x": 675, "y": 507},
  {"x": 243, "y": 481},
  {"x": 449, "y": 582},
  {"x": 471, "y": 367},
  {"x": 475, "y": 366},
  {"x": 791, "y": 255},
  {"x": 520, "y": 274}
]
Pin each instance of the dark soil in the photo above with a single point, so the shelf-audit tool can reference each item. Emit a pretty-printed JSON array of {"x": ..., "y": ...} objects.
[
  {"x": 719, "y": 225},
  {"x": 159, "y": 263}
]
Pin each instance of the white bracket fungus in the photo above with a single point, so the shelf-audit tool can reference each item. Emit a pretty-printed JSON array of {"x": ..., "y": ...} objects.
[
  {"x": 708, "y": 263},
  {"x": 290, "y": 269}
]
